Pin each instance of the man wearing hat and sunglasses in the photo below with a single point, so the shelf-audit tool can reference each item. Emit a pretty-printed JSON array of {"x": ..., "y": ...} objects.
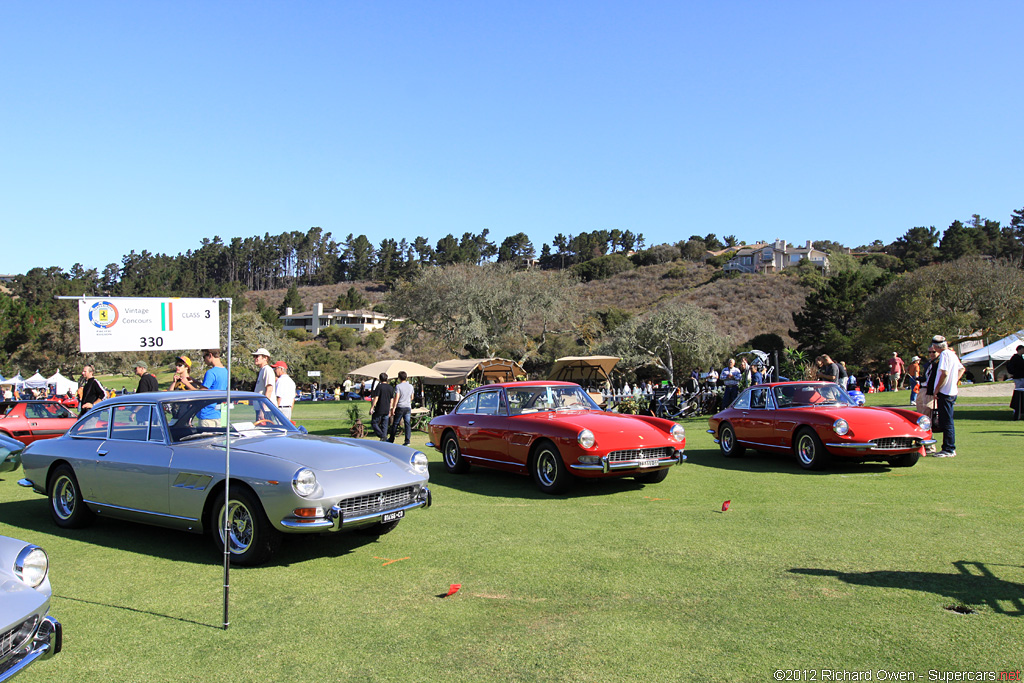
[{"x": 265, "y": 380}]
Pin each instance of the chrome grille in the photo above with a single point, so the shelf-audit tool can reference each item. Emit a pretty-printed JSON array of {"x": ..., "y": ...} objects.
[
  {"x": 377, "y": 502},
  {"x": 894, "y": 443},
  {"x": 639, "y": 453},
  {"x": 17, "y": 636}
]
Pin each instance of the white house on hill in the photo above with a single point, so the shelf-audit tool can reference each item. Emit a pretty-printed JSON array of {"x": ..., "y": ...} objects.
[
  {"x": 773, "y": 257},
  {"x": 317, "y": 319}
]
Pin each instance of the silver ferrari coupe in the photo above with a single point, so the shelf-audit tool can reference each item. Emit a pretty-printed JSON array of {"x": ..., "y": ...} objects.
[{"x": 159, "y": 458}]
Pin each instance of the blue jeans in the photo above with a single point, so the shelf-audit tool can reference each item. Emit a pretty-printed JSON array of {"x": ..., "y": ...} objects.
[
  {"x": 404, "y": 415},
  {"x": 945, "y": 414},
  {"x": 379, "y": 425},
  {"x": 729, "y": 395}
]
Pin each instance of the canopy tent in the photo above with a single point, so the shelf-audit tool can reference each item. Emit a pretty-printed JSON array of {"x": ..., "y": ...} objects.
[
  {"x": 485, "y": 370},
  {"x": 999, "y": 351},
  {"x": 62, "y": 384},
  {"x": 17, "y": 381},
  {"x": 393, "y": 367},
  {"x": 36, "y": 381},
  {"x": 583, "y": 369}
]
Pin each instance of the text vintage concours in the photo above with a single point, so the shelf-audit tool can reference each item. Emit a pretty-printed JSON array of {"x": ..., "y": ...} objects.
[{"x": 147, "y": 324}]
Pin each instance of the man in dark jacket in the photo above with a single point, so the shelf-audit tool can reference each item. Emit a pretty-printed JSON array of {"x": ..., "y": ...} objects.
[
  {"x": 1015, "y": 367},
  {"x": 92, "y": 390},
  {"x": 147, "y": 380}
]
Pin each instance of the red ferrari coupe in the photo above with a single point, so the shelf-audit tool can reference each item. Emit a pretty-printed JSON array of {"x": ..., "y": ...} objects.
[
  {"x": 555, "y": 432},
  {"x": 29, "y": 421},
  {"x": 818, "y": 421}
]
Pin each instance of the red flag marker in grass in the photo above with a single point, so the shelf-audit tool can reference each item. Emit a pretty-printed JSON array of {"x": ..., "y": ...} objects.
[
  {"x": 725, "y": 505},
  {"x": 453, "y": 589}
]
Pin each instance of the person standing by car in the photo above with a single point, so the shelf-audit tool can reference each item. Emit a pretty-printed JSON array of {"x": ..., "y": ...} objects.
[
  {"x": 1015, "y": 367},
  {"x": 92, "y": 391},
  {"x": 215, "y": 379},
  {"x": 380, "y": 407},
  {"x": 896, "y": 366},
  {"x": 284, "y": 388},
  {"x": 947, "y": 374},
  {"x": 828, "y": 370},
  {"x": 402, "y": 407},
  {"x": 265, "y": 379},
  {"x": 182, "y": 368},
  {"x": 147, "y": 380},
  {"x": 730, "y": 378}
]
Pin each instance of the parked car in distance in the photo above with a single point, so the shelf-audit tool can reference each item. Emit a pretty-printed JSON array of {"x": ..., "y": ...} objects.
[
  {"x": 10, "y": 453},
  {"x": 554, "y": 432},
  {"x": 27, "y": 632},
  {"x": 159, "y": 458},
  {"x": 818, "y": 422},
  {"x": 29, "y": 421}
]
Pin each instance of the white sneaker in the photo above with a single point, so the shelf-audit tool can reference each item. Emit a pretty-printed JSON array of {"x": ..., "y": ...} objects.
[{"x": 945, "y": 454}]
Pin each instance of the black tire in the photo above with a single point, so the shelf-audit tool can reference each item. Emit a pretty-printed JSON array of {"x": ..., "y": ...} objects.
[
  {"x": 809, "y": 450},
  {"x": 652, "y": 477},
  {"x": 731, "y": 448},
  {"x": 453, "y": 460},
  {"x": 908, "y": 460},
  {"x": 67, "y": 507},
  {"x": 375, "y": 530},
  {"x": 549, "y": 472},
  {"x": 253, "y": 539}
]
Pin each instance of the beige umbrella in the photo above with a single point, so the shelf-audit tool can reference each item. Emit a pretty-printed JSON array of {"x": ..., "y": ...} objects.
[
  {"x": 583, "y": 368},
  {"x": 393, "y": 367}
]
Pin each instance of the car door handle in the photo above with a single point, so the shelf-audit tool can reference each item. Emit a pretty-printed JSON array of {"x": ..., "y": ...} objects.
[
  {"x": 102, "y": 452},
  {"x": 472, "y": 422}
]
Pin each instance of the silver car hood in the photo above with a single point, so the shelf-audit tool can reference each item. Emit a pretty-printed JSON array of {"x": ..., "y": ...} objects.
[
  {"x": 18, "y": 601},
  {"x": 321, "y": 453}
]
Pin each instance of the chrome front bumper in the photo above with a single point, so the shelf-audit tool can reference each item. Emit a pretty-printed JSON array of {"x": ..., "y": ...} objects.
[
  {"x": 47, "y": 642},
  {"x": 606, "y": 465},
  {"x": 874, "y": 448},
  {"x": 334, "y": 520}
]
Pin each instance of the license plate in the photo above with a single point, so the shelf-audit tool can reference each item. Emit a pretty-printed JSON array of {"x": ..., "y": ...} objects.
[
  {"x": 648, "y": 462},
  {"x": 392, "y": 516}
]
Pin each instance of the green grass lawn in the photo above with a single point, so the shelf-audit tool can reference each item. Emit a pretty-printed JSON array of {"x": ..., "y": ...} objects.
[{"x": 849, "y": 569}]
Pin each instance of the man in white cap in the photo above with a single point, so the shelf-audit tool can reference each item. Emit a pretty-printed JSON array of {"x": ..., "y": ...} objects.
[
  {"x": 284, "y": 388},
  {"x": 265, "y": 379}
]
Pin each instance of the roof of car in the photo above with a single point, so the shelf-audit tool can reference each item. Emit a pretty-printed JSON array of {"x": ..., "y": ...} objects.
[
  {"x": 157, "y": 396},
  {"x": 531, "y": 383}
]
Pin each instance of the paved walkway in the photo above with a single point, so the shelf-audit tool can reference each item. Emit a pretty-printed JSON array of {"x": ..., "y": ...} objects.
[{"x": 1002, "y": 389}]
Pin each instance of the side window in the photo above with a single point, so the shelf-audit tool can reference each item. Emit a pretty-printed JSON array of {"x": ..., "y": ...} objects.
[
  {"x": 743, "y": 401},
  {"x": 759, "y": 399},
  {"x": 131, "y": 423},
  {"x": 488, "y": 403},
  {"x": 94, "y": 425},
  {"x": 468, "y": 404},
  {"x": 156, "y": 426}
]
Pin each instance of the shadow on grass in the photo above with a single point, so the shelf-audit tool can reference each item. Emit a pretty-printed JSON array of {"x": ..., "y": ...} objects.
[
  {"x": 995, "y": 415},
  {"x": 171, "y": 544},
  {"x": 485, "y": 481},
  {"x": 974, "y": 584},
  {"x": 780, "y": 463},
  {"x": 139, "y": 611}
]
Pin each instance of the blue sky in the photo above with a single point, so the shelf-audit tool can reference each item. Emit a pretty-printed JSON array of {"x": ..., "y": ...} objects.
[{"x": 148, "y": 125}]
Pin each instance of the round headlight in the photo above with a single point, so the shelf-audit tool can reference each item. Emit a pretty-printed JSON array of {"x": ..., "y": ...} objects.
[
  {"x": 304, "y": 482},
  {"x": 31, "y": 565},
  {"x": 586, "y": 438},
  {"x": 678, "y": 433},
  {"x": 924, "y": 423},
  {"x": 419, "y": 462},
  {"x": 840, "y": 427}
]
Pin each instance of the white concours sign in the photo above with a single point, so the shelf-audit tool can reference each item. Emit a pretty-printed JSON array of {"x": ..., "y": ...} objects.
[{"x": 147, "y": 324}]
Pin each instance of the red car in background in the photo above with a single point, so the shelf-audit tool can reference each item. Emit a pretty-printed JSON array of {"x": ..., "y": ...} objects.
[
  {"x": 29, "y": 421},
  {"x": 818, "y": 422},
  {"x": 554, "y": 432}
]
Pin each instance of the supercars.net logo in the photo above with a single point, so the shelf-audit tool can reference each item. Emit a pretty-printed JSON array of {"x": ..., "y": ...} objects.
[{"x": 103, "y": 315}]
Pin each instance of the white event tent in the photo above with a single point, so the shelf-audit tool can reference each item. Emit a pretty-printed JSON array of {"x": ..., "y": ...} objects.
[
  {"x": 36, "y": 381},
  {"x": 62, "y": 384},
  {"x": 17, "y": 381},
  {"x": 998, "y": 352}
]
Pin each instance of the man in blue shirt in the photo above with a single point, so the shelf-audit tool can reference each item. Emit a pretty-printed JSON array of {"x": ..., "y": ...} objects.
[{"x": 215, "y": 379}]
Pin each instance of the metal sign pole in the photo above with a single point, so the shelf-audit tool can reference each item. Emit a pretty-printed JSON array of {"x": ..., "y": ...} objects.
[{"x": 227, "y": 481}]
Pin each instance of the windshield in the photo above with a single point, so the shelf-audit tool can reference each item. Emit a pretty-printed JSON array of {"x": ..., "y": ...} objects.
[
  {"x": 535, "y": 399},
  {"x": 196, "y": 418},
  {"x": 811, "y": 394}
]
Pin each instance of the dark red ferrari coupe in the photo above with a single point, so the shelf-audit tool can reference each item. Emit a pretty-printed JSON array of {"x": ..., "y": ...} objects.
[
  {"x": 818, "y": 421},
  {"x": 555, "y": 432},
  {"x": 29, "y": 421}
]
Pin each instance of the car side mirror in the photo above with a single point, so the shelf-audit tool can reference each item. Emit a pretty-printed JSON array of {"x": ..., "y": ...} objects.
[{"x": 303, "y": 429}]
